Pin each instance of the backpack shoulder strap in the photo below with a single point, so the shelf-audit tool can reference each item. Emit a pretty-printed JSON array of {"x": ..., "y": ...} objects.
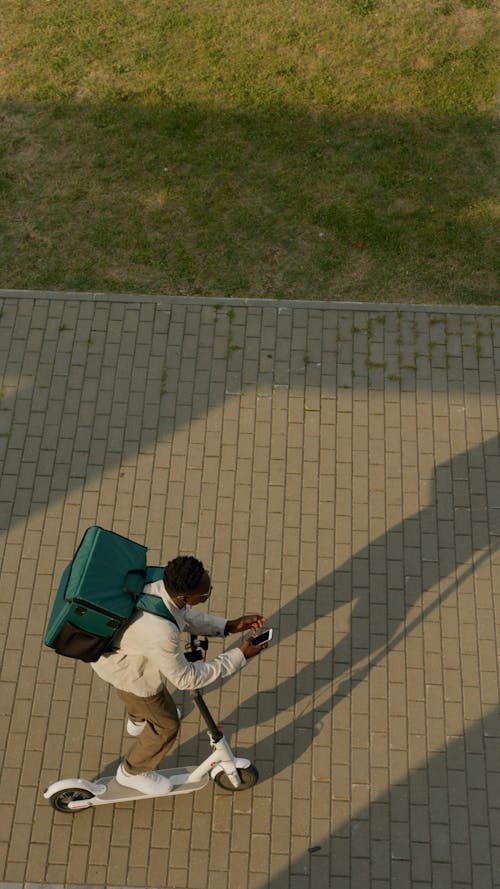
[
  {"x": 153, "y": 572},
  {"x": 154, "y": 604}
]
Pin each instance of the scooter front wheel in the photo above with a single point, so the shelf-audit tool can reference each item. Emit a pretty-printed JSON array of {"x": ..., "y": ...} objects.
[
  {"x": 248, "y": 778},
  {"x": 60, "y": 800}
]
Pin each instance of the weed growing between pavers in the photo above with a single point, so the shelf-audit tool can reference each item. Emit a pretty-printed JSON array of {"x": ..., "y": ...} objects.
[{"x": 424, "y": 344}]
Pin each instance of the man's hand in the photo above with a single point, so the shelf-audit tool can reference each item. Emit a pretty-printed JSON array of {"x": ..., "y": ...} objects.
[
  {"x": 250, "y": 650},
  {"x": 247, "y": 622}
]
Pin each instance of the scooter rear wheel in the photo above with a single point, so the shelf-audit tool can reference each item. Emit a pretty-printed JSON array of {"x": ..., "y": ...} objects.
[
  {"x": 248, "y": 778},
  {"x": 60, "y": 800}
]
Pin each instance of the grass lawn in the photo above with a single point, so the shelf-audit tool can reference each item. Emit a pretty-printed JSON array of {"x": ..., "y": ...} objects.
[{"x": 336, "y": 149}]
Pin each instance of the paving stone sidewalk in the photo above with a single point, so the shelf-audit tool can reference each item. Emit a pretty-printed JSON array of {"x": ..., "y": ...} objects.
[{"x": 338, "y": 467}]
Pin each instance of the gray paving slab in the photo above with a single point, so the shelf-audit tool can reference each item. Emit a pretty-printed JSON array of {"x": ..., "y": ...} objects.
[{"x": 336, "y": 465}]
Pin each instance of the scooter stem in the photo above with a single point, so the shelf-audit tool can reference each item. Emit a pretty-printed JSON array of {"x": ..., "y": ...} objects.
[{"x": 214, "y": 730}]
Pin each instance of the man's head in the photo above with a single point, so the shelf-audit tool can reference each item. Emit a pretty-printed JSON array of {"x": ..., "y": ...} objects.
[{"x": 186, "y": 581}]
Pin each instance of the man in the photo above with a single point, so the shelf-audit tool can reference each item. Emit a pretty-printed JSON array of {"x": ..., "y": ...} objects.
[{"x": 150, "y": 652}]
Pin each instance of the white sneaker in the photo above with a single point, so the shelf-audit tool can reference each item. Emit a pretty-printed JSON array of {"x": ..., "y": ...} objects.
[
  {"x": 152, "y": 783},
  {"x": 136, "y": 728}
]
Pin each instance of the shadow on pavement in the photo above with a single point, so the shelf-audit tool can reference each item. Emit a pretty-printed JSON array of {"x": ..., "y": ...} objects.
[
  {"x": 434, "y": 826},
  {"x": 391, "y": 586}
]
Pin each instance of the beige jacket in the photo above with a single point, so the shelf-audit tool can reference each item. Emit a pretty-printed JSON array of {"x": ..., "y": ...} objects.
[{"x": 151, "y": 651}]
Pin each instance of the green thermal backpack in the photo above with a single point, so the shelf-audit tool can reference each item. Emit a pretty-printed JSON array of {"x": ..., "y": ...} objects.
[{"x": 99, "y": 593}]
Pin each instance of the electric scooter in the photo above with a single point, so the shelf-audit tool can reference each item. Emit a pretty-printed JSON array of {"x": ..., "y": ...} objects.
[{"x": 229, "y": 772}]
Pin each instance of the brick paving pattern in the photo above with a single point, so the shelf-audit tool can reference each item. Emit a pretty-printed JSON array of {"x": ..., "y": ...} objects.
[{"x": 337, "y": 467}]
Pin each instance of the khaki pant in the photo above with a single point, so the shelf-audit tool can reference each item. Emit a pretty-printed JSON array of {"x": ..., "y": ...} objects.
[{"x": 160, "y": 731}]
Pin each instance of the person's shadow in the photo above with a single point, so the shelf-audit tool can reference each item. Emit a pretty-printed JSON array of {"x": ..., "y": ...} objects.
[{"x": 393, "y": 585}]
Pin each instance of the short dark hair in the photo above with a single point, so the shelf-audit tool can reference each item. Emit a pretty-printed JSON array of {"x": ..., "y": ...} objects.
[{"x": 183, "y": 575}]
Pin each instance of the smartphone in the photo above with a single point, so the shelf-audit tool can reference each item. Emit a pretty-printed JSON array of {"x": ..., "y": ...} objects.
[{"x": 266, "y": 636}]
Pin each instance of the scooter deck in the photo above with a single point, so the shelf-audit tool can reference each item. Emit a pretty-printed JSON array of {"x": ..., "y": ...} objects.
[{"x": 117, "y": 793}]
